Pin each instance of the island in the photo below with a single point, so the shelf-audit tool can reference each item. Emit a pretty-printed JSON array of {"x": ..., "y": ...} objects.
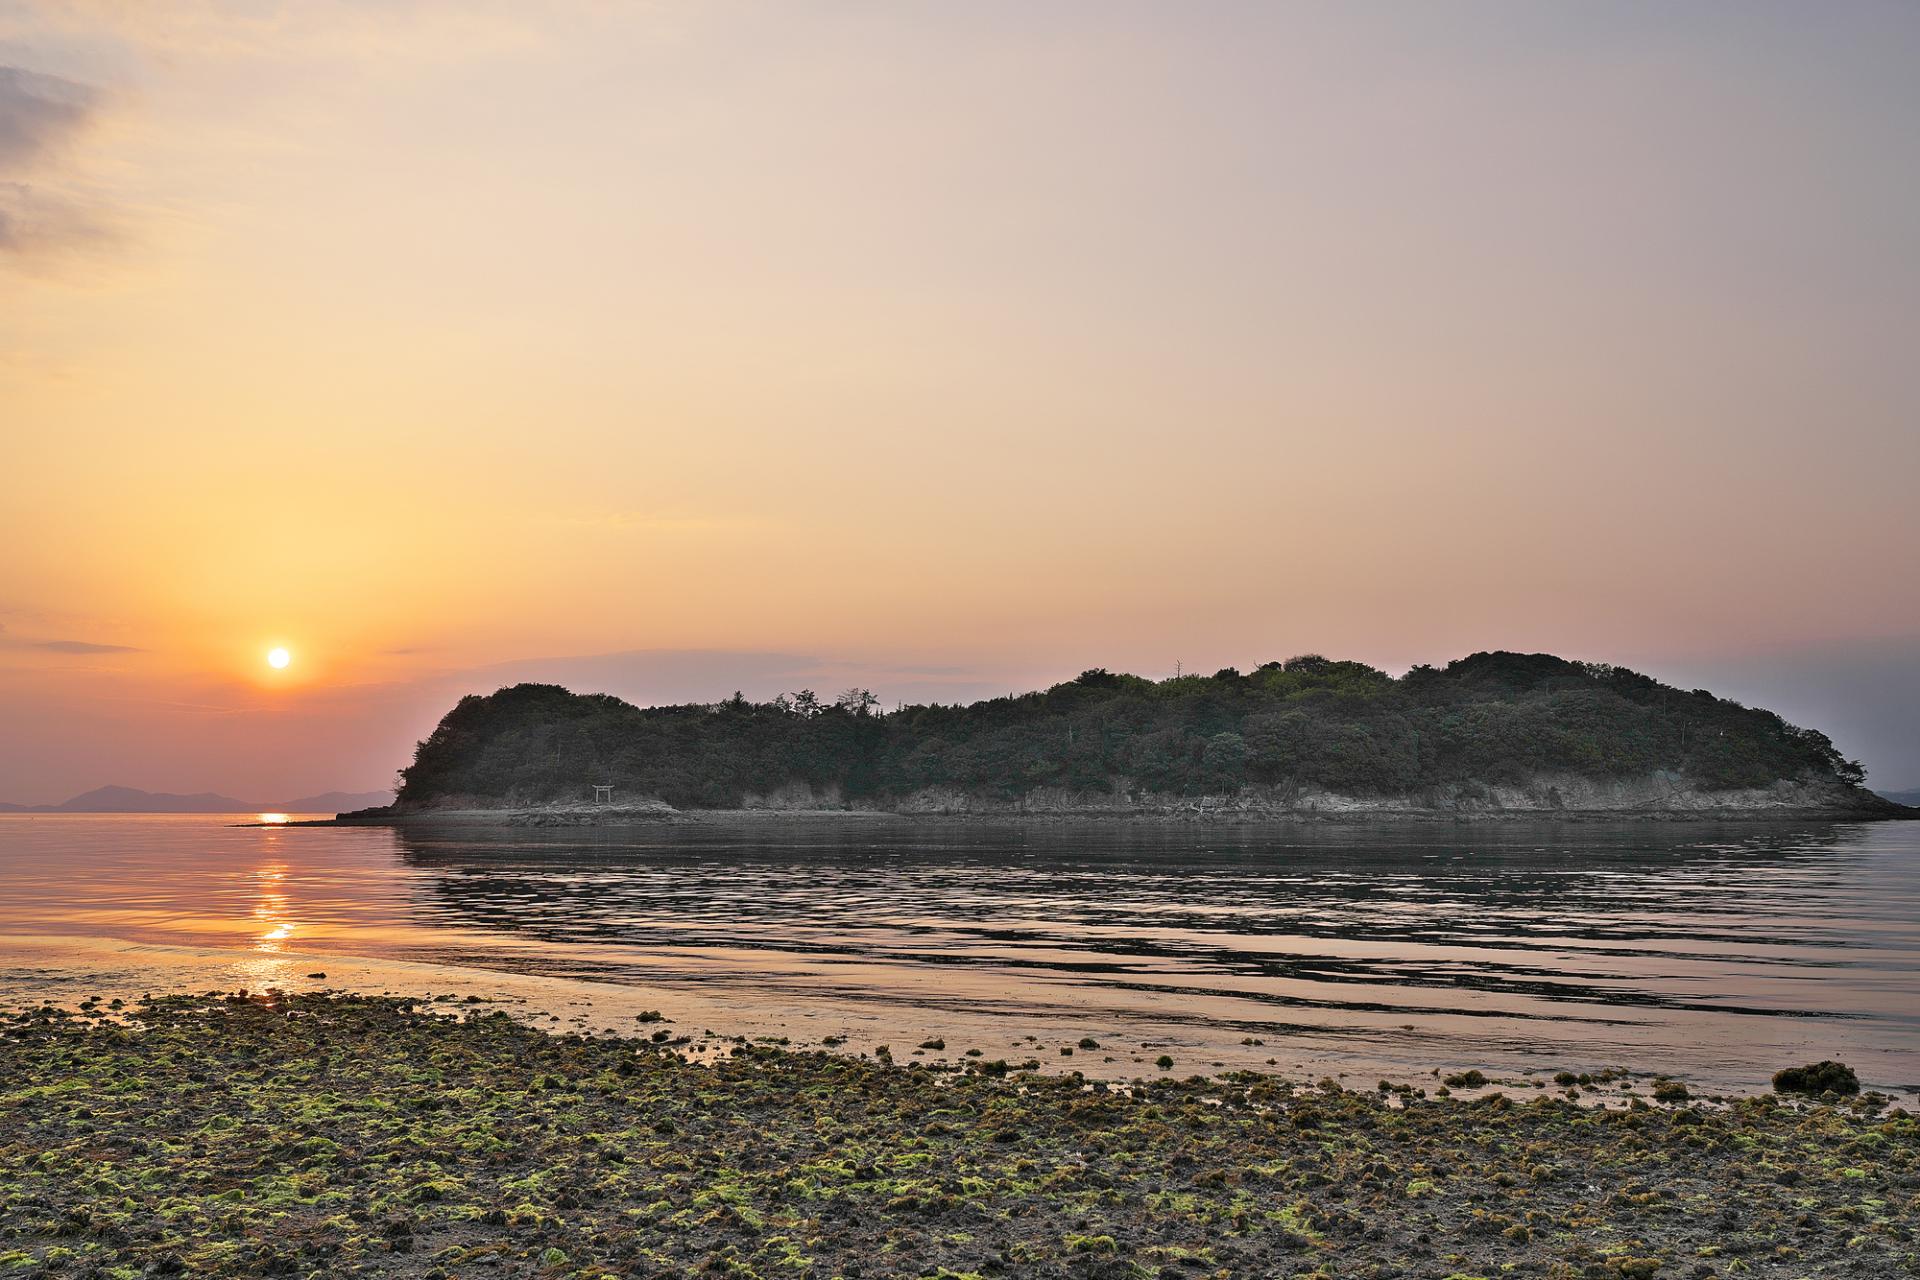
[{"x": 1489, "y": 735}]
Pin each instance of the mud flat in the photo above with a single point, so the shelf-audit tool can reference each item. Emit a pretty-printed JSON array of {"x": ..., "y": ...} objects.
[{"x": 319, "y": 1135}]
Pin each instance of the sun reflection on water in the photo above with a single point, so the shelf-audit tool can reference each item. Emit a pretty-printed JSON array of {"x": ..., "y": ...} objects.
[{"x": 273, "y": 909}]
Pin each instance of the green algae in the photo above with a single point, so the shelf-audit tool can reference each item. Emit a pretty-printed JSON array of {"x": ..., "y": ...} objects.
[{"x": 313, "y": 1137}]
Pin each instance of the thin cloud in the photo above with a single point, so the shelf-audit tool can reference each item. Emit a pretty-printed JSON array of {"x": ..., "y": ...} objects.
[
  {"x": 42, "y": 117},
  {"x": 81, "y": 646},
  {"x": 63, "y": 646},
  {"x": 39, "y": 116},
  {"x": 37, "y": 222},
  {"x": 412, "y": 30}
]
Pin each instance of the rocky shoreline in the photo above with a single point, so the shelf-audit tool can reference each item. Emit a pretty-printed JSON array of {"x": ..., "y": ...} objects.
[
  {"x": 1555, "y": 799},
  {"x": 320, "y": 1135}
]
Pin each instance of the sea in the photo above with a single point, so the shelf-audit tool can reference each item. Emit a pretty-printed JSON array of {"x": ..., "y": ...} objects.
[{"x": 1399, "y": 951}]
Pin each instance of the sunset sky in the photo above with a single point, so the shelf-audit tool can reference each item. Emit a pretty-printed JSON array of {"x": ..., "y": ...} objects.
[{"x": 948, "y": 349}]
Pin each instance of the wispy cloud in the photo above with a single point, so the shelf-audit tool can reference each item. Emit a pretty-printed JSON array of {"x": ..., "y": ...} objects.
[
  {"x": 42, "y": 117},
  {"x": 362, "y": 29},
  {"x": 80, "y": 646},
  {"x": 63, "y": 646},
  {"x": 39, "y": 115},
  {"x": 35, "y": 222}
]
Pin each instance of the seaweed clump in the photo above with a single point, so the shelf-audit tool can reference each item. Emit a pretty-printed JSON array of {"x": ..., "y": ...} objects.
[{"x": 1827, "y": 1076}]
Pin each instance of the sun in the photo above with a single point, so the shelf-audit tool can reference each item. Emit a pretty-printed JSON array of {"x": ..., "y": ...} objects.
[{"x": 278, "y": 658}]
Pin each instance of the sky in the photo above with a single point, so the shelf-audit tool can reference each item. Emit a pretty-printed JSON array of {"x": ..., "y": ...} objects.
[{"x": 669, "y": 349}]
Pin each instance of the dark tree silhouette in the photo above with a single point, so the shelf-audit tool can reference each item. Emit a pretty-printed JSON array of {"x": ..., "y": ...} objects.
[{"x": 1308, "y": 722}]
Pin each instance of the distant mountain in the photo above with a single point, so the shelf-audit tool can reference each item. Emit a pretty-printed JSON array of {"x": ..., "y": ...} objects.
[
  {"x": 1911, "y": 798},
  {"x": 134, "y": 800}
]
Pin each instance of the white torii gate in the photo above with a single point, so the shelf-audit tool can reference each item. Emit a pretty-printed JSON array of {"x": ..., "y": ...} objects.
[{"x": 602, "y": 795}]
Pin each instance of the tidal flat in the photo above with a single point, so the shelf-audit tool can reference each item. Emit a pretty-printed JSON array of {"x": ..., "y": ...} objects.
[{"x": 318, "y": 1135}]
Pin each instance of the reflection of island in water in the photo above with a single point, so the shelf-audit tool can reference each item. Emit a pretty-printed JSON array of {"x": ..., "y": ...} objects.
[{"x": 1609, "y": 934}]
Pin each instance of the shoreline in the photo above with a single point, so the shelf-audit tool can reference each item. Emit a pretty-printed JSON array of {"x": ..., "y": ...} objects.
[
  {"x": 939, "y": 1032},
  {"x": 583, "y": 816},
  {"x": 321, "y": 1134}
]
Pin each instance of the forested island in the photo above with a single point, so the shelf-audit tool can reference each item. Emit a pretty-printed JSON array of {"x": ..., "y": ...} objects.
[{"x": 1493, "y": 732}]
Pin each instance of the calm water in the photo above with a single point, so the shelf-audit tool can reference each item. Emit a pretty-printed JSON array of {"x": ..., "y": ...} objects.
[{"x": 1718, "y": 953}]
